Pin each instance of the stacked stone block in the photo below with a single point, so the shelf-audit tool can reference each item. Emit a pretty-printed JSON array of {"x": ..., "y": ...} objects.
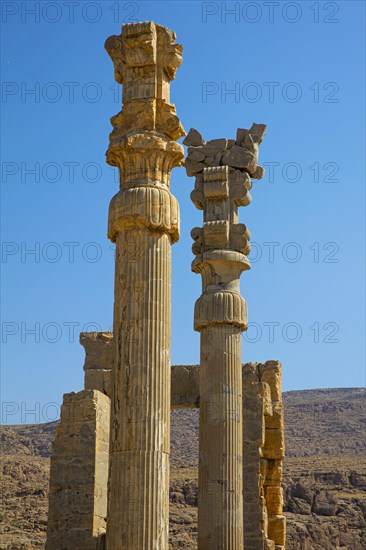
[
  {"x": 240, "y": 154},
  {"x": 84, "y": 430},
  {"x": 263, "y": 437},
  {"x": 79, "y": 473},
  {"x": 99, "y": 357}
]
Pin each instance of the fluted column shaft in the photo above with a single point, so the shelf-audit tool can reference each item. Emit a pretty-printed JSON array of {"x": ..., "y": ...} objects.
[
  {"x": 220, "y": 443},
  {"x": 141, "y": 420},
  {"x": 143, "y": 221},
  {"x": 220, "y": 316}
]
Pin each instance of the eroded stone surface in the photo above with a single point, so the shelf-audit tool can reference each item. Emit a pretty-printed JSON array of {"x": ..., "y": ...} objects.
[
  {"x": 79, "y": 473},
  {"x": 220, "y": 316},
  {"x": 143, "y": 221},
  {"x": 223, "y": 170},
  {"x": 262, "y": 412},
  {"x": 241, "y": 153},
  {"x": 99, "y": 358},
  {"x": 185, "y": 386},
  {"x": 264, "y": 451}
]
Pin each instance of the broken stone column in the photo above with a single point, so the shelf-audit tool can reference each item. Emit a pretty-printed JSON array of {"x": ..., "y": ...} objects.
[
  {"x": 143, "y": 222},
  {"x": 98, "y": 365},
  {"x": 79, "y": 472},
  {"x": 223, "y": 170}
]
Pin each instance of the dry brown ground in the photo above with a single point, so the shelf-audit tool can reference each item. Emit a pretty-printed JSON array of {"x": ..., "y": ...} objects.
[{"x": 324, "y": 483}]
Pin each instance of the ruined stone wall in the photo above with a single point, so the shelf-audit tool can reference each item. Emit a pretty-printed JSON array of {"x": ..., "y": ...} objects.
[
  {"x": 79, "y": 464},
  {"x": 79, "y": 473},
  {"x": 263, "y": 453}
]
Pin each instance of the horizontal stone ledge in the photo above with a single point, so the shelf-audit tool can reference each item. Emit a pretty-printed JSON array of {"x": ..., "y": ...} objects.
[
  {"x": 261, "y": 380},
  {"x": 185, "y": 383}
]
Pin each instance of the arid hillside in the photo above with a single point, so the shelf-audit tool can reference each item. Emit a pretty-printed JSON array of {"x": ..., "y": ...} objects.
[{"x": 324, "y": 484}]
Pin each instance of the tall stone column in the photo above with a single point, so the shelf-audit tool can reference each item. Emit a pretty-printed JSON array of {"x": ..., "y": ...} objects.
[
  {"x": 222, "y": 170},
  {"x": 143, "y": 222}
]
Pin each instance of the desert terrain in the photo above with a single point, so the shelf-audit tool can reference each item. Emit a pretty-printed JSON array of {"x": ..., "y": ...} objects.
[{"x": 324, "y": 475}]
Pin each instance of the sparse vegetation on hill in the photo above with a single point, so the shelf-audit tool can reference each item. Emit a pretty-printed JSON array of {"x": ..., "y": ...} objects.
[{"x": 324, "y": 475}]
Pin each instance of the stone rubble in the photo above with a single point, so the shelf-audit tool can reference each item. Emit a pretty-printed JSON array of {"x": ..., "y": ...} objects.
[{"x": 240, "y": 154}]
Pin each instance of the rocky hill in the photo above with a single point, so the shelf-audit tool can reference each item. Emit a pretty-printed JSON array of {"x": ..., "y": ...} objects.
[{"x": 324, "y": 480}]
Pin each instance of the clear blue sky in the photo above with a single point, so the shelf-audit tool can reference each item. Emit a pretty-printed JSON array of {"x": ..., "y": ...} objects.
[{"x": 299, "y": 68}]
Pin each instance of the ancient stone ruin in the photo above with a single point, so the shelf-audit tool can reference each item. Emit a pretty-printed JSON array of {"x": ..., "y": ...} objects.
[
  {"x": 222, "y": 185},
  {"x": 109, "y": 484}
]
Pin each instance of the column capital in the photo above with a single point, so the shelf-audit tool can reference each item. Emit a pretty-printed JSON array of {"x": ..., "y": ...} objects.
[
  {"x": 144, "y": 158},
  {"x": 223, "y": 170},
  {"x": 142, "y": 144},
  {"x": 145, "y": 59}
]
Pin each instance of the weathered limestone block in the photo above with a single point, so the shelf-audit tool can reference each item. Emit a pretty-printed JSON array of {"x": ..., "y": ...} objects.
[
  {"x": 98, "y": 363},
  {"x": 79, "y": 473},
  {"x": 277, "y": 529},
  {"x": 271, "y": 471},
  {"x": 241, "y": 154},
  {"x": 193, "y": 139},
  {"x": 263, "y": 435},
  {"x": 271, "y": 372},
  {"x": 255, "y": 394},
  {"x": 263, "y": 499},
  {"x": 185, "y": 386},
  {"x": 274, "y": 500},
  {"x": 143, "y": 221},
  {"x": 274, "y": 447}
]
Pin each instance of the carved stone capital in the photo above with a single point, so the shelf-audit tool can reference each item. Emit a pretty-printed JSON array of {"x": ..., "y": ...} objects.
[
  {"x": 219, "y": 191},
  {"x": 152, "y": 207},
  {"x": 222, "y": 170},
  {"x": 240, "y": 154},
  {"x": 221, "y": 301},
  {"x": 145, "y": 59},
  {"x": 216, "y": 308},
  {"x": 144, "y": 158},
  {"x": 220, "y": 267},
  {"x": 142, "y": 143}
]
